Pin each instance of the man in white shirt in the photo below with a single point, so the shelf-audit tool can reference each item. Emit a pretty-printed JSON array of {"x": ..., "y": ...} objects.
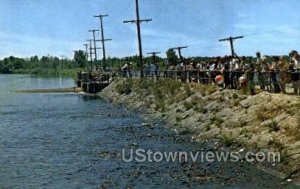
[{"x": 295, "y": 68}]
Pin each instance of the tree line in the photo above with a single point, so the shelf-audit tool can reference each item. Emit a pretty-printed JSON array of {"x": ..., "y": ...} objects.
[
  {"x": 34, "y": 64},
  {"x": 54, "y": 65}
]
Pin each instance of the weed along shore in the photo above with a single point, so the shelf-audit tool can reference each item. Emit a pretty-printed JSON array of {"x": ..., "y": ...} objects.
[{"x": 263, "y": 122}]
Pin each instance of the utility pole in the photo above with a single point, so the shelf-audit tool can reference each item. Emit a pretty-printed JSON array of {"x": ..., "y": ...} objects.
[
  {"x": 95, "y": 46},
  {"x": 179, "y": 51},
  {"x": 91, "y": 53},
  {"x": 153, "y": 53},
  {"x": 102, "y": 36},
  {"x": 86, "y": 52},
  {"x": 96, "y": 50},
  {"x": 231, "y": 39},
  {"x": 138, "y": 21},
  {"x": 153, "y": 56}
]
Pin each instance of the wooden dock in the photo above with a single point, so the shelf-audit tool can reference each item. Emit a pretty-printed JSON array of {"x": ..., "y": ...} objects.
[{"x": 84, "y": 83}]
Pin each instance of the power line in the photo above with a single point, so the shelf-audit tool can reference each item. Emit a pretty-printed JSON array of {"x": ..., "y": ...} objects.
[{"x": 138, "y": 21}]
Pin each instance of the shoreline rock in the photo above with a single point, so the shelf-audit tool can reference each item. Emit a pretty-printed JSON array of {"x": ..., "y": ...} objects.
[{"x": 264, "y": 121}]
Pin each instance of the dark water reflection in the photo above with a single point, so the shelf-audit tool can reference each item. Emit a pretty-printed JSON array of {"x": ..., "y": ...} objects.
[{"x": 75, "y": 141}]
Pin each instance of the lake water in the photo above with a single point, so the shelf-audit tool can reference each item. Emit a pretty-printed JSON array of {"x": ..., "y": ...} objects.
[{"x": 75, "y": 141}]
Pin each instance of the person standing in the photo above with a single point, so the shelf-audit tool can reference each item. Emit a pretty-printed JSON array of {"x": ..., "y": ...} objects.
[
  {"x": 273, "y": 68},
  {"x": 226, "y": 72},
  {"x": 258, "y": 67},
  {"x": 189, "y": 72},
  {"x": 283, "y": 68},
  {"x": 294, "y": 68},
  {"x": 250, "y": 77},
  {"x": 261, "y": 68},
  {"x": 233, "y": 73},
  {"x": 130, "y": 67},
  {"x": 124, "y": 70}
]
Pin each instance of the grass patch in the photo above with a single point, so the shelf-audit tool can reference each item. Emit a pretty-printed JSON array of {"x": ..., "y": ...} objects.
[
  {"x": 236, "y": 102},
  {"x": 235, "y": 96},
  {"x": 227, "y": 140},
  {"x": 276, "y": 144},
  {"x": 196, "y": 100},
  {"x": 274, "y": 126},
  {"x": 188, "y": 105},
  {"x": 125, "y": 87},
  {"x": 162, "y": 87},
  {"x": 160, "y": 104},
  {"x": 200, "y": 109},
  {"x": 263, "y": 115},
  {"x": 222, "y": 98},
  {"x": 178, "y": 118},
  {"x": 217, "y": 121},
  {"x": 207, "y": 127},
  {"x": 180, "y": 97},
  {"x": 244, "y": 91},
  {"x": 293, "y": 132},
  {"x": 205, "y": 89},
  {"x": 188, "y": 90}
]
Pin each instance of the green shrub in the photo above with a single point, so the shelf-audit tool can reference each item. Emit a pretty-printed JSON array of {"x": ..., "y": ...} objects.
[
  {"x": 200, "y": 109},
  {"x": 188, "y": 90},
  {"x": 125, "y": 87},
  {"x": 172, "y": 86},
  {"x": 144, "y": 83},
  {"x": 235, "y": 96},
  {"x": 274, "y": 126},
  {"x": 195, "y": 100},
  {"x": 178, "y": 118},
  {"x": 262, "y": 113},
  {"x": 208, "y": 127},
  {"x": 227, "y": 140},
  {"x": 188, "y": 105},
  {"x": 216, "y": 120},
  {"x": 160, "y": 104}
]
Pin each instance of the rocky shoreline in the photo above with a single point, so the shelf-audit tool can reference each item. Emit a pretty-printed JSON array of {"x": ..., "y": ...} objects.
[{"x": 268, "y": 122}]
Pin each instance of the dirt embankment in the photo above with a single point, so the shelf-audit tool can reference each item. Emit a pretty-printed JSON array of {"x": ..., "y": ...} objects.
[{"x": 261, "y": 122}]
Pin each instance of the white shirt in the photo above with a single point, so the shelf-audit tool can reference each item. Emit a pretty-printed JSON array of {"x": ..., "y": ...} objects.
[
  {"x": 297, "y": 64},
  {"x": 125, "y": 67}
]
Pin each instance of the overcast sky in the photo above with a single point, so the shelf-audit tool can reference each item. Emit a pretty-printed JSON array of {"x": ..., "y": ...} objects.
[{"x": 57, "y": 27}]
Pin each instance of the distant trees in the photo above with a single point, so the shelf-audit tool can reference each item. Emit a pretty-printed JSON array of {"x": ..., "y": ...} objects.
[
  {"x": 34, "y": 64},
  {"x": 171, "y": 57},
  {"x": 54, "y": 65},
  {"x": 80, "y": 58},
  {"x": 11, "y": 63},
  {"x": 34, "y": 59}
]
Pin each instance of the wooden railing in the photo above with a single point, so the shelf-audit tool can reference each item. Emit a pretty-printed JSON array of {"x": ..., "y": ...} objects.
[{"x": 267, "y": 80}]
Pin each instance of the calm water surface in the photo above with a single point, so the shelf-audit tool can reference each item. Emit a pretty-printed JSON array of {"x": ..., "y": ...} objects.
[{"x": 75, "y": 141}]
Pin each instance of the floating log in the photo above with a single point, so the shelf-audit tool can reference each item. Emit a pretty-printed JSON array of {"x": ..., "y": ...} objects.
[{"x": 58, "y": 90}]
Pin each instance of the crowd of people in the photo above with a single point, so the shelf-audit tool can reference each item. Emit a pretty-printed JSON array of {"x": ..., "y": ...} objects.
[{"x": 271, "y": 73}]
